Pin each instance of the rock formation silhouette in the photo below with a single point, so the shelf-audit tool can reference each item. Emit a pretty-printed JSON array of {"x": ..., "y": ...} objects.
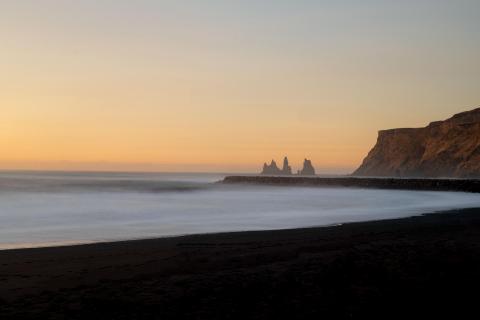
[
  {"x": 272, "y": 168},
  {"x": 286, "y": 170},
  {"x": 308, "y": 169}
]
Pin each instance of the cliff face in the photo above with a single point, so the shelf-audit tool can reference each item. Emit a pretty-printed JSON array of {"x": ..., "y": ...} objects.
[{"x": 449, "y": 148}]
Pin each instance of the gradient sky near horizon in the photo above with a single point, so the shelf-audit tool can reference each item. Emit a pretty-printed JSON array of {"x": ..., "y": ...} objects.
[{"x": 218, "y": 85}]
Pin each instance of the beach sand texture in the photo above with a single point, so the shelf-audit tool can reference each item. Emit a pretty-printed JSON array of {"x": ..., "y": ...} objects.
[{"x": 414, "y": 267}]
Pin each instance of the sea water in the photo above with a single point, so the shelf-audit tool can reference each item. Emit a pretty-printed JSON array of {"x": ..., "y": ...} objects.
[{"x": 58, "y": 208}]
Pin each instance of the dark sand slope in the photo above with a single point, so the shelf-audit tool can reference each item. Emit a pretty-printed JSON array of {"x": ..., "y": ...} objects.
[{"x": 422, "y": 266}]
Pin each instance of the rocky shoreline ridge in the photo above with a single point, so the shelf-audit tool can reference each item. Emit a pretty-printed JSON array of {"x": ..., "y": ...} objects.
[{"x": 458, "y": 185}]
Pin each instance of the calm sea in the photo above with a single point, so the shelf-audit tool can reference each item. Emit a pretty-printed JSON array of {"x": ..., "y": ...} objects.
[{"x": 58, "y": 208}]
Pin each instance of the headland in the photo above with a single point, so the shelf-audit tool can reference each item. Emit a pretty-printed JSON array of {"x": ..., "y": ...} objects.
[{"x": 460, "y": 185}]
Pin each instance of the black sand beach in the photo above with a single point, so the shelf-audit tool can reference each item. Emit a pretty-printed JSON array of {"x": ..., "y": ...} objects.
[{"x": 416, "y": 267}]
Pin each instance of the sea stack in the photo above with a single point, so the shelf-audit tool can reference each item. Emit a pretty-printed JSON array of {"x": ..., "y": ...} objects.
[
  {"x": 286, "y": 170},
  {"x": 449, "y": 148},
  {"x": 308, "y": 169},
  {"x": 272, "y": 168}
]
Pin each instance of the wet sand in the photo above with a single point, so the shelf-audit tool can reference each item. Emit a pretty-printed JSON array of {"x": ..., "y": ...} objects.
[{"x": 415, "y": 267}]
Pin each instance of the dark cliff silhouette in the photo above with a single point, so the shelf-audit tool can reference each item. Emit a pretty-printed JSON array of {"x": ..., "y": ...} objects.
[{"x": 449, "y": 148}]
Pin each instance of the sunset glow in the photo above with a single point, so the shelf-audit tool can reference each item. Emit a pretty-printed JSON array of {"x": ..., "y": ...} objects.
[{"x": 226, "y": 85}]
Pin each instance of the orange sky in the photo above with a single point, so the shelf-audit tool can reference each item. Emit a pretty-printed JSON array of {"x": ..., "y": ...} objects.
[{"x": 164, "y": 86}]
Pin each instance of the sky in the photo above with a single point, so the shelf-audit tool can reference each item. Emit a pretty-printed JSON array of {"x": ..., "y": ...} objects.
[{"x": 219, "y": 85}]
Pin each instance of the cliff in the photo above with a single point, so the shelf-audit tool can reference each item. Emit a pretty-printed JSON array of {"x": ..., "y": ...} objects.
[{"x": 449, "y": 148}]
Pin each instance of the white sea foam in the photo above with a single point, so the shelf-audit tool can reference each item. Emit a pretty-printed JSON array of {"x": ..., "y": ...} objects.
[{"x": 43, "y": 209}]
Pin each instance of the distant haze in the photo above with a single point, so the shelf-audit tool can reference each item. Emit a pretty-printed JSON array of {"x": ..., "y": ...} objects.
[{"x": 226, "y": 85}]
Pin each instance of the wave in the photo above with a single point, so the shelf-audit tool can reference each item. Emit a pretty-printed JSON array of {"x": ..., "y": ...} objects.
[
  {"x": 98, "y": 183},
  {"x": 51, "y": 209}
]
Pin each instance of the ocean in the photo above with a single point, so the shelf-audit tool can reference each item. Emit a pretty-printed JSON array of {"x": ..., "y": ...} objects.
[{"x": 40, "y": 209}]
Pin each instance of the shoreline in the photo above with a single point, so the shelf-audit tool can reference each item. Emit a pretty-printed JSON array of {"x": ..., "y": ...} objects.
[
  {"x": 67, "y": 244},
  {"x": 422, "y": 265},
  {"x": 417, "y": 184}
]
